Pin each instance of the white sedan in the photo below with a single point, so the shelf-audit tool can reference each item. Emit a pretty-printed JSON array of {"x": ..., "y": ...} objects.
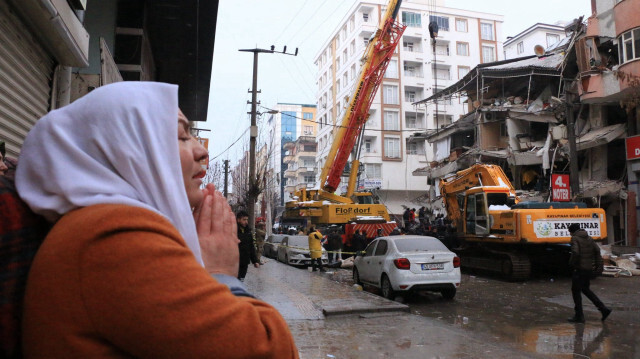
[
  {"x": 294, "y": 250},
  {"x": 408, "y": 263}
]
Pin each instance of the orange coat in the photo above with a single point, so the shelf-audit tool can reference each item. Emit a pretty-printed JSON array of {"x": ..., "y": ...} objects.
[{"x": 119, "y": 281}]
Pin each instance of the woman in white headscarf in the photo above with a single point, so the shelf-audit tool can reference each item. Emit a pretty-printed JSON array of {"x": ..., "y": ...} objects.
[{"x": 126, "y": 270}]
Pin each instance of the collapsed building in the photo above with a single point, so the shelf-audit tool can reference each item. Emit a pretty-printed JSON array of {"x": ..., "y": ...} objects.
[{"x": 517, "y": 119}]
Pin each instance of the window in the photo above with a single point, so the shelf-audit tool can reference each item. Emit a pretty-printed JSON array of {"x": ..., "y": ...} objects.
[
  {"x": 381, "y": 249},
  {"x": 461, "y": 25},
  {"x": 412, "y": 148},
  {"x": 552, "y": 39},
  {"x": 309, "y": 179},
  {"x": 411, "y": 19},
  {"x": 368, "y": 145},
  {"x": 345, "y": 78},
  {"x": 462, "y": 71},
  {"x": 390, "y": 93},
  {"x": 520, "y": 47},
  {"x": 391, "y": 122},
  {"x": 407, "y": 46},
  {"x": 412, "y": 121},
  {"x": 629, "y": 45},
  {"x": 352, "y": 47},
  {"x": 392, "y": 70},
  {"x": 392, "y": 147},
  {"x": 352, "y": 23},
  {"x": 488, "y": 54},
  {"x": 462, "y": 48},
  {"x": 353, "y": 71},
  {"x": 337, "y": 62},
  {"x": 410, "y": 96},
  {"x": 366, "y": 42},
  {"x": 486, "y": 31},
  {"x": 441, "y": 73},
  {"x": 307, "y": 130},
  {"x": 365, "y": 17},
  {"x": 373, "y": 170},
  {"x": 412, "y": 69},
  {"x": 442, "y": 50},
  {"x": 442, "y": 21}
]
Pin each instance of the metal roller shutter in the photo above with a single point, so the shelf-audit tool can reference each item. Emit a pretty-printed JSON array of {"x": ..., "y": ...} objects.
[{"x": 26, "y": 72}]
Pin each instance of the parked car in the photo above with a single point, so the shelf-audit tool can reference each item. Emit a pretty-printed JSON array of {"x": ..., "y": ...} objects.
[
  {"x": 270, "y": 246},
  {"x": 294, "y": 250},
  {"x": 408, "y": 264}
]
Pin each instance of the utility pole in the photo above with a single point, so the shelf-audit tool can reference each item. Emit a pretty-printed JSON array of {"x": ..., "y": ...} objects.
[
  {"x": 226, "y": 178},
  {"x": 251, "y": 205},
  {"x": 574, "y": 180}
]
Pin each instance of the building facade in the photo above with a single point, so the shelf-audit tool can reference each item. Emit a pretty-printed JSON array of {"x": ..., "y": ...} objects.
[
  {"x": 300, "y": 160},
  {"x": 465, "y": 39},
  {"x": 290, "y": 122},
  {"x": 545, "y": 35}
]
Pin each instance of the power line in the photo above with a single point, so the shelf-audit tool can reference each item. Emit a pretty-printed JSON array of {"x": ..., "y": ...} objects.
[
  {"x": 293, "y": 18},
  {"x": 340, "y": 126},
  {"x": 231, "y": 145}
]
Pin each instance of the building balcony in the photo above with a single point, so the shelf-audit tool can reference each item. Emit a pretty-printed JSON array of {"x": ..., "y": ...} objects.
[
  {"x": 303, "y": 185},
  {"x": 306, "y": 170},
  {"x": 310, "y": 154},
  {"x": 290, "y": 173},
  {"x": 289, "y": 145},
  {"x": 288, "y": 158}
]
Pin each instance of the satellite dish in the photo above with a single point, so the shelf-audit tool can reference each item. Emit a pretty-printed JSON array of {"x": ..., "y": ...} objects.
[{"x": 538, "y": 50}]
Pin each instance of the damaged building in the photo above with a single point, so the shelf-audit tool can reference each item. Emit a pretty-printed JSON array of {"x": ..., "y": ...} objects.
[{"x": 520, "y": 112}]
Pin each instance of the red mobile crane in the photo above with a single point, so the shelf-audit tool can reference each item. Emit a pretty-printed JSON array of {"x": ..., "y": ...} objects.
[{"x": 355, "y": 209}]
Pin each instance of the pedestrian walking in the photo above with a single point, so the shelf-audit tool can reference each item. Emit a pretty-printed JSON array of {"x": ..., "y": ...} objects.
[
  {"x": 315, "y": 249},
  {"x": 246, "y": 246},
  {"x": 585, "y": 259},
  {"x": 422, "y": 212},
  {"x": 406, "y": 217},
  {"x": 140, "y": 262}
]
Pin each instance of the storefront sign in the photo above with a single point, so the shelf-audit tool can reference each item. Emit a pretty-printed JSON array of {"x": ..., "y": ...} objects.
[
  {"x": 560, "y": 187},
  {"x": 633, "y": 147}
]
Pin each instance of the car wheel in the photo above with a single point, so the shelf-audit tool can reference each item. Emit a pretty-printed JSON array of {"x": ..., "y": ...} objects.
[
  {"x": 448, "y": 294},
  {"x": 356, "y": 276},
  {"x": 387, "y": 290}
]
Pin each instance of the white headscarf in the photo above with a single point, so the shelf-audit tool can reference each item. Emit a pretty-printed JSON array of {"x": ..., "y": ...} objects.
[{"x": 118, "y": 145}]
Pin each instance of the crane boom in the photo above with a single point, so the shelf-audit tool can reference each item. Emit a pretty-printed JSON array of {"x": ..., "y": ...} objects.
[{"x": 376, "y": 59}]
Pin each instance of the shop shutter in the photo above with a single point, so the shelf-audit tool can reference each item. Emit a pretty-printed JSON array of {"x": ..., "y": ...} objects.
[{"x": 26, "y": 72}]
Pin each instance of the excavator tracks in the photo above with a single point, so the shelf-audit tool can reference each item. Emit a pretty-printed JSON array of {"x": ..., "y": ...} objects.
[{"x": 510, "y": 265}]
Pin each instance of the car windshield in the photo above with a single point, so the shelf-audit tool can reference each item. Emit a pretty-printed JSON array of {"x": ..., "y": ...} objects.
[
  {"x": 299, "y": 241},
  {"x": 405, "y": 245}
]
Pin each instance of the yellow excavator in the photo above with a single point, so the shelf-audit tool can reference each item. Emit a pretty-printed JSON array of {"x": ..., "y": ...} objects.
[
  {"x": 499, "y": 233},
  {"x": 323, "y": 206}
]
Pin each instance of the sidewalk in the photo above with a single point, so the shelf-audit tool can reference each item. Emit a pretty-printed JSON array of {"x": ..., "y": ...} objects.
[{"x": 329, "y": 319}]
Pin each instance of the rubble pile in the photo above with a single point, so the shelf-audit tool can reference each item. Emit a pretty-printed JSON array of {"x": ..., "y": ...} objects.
[{"x": 618, "y": 264}]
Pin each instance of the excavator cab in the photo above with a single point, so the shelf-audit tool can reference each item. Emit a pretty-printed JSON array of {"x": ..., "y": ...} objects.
[{"x": 477, "y": 215}]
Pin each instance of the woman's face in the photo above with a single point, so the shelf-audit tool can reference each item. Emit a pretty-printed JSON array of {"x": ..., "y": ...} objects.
[{"x": 191, "y": 152}]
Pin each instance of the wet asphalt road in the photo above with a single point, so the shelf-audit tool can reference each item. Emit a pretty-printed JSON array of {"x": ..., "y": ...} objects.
[
  {"x": 489, "y": 318},
  {"x": 531, "y": 316}
]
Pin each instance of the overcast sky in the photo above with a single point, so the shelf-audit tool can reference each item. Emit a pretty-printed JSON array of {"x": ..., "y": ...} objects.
[{"x": 307, "y": 24}]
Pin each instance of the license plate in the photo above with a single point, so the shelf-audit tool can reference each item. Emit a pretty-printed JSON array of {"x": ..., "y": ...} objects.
[{"x": 432, "y": 266}]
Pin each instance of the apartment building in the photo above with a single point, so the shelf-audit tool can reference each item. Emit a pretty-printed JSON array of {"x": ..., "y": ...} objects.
[
  {"x": 290, "y": 122},
  {"x": 300, "y": 160},
  {"x": 545, "y": 35},
  {"x": 465, "y": 39}
]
